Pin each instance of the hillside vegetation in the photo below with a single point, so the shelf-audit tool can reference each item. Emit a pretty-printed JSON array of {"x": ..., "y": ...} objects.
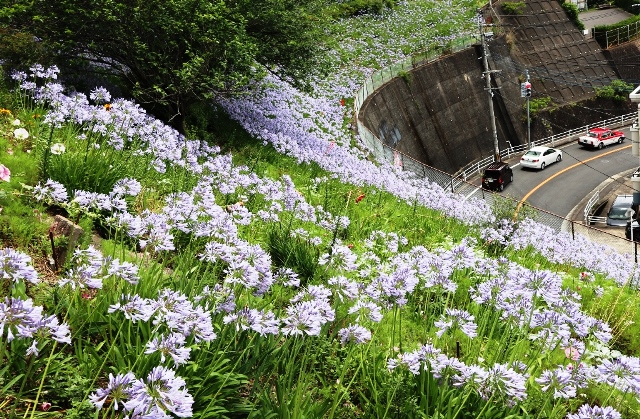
[{"x": 264, "y": 265}]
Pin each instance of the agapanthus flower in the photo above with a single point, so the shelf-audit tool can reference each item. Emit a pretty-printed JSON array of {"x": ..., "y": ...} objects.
[
  {"x": 51, "y": 192},
  {"x": 456, "y": 319},
  {"x": 558, "y": 381},
  {"x": 287, "y": 276},
  {"x": 16, "y": 266},
  {"x": 127, "y": 186},
  {"x": 123, "y": 270},
  {"x": 162, "y": 392},
  {"x": 219, "y": 298},
  {"x": 172, "y": 345},
  {"x": 134, "y": 307},
  {"x": 340, "y": 257},
  {"x": 502, "y": 381},
  {"x": 595, "y": 412},
  {"x": 367, "y": 310},
  {"x": 118, "y": 390},
  {"x": 263, "y": 322},
  {"x": 100, "y": 95},
  {"x": 354, "y": 333}
]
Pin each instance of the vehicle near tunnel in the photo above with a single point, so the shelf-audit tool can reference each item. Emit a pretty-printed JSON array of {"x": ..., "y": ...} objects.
[
  {"x": 601, "y": 137},
  {"x": 540, "y": 157},
  {"x": 617, "y": 215},
  {"x": 496, "y": 176}
]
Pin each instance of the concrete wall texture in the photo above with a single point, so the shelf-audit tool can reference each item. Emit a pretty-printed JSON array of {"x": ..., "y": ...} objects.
[{"x": 438, "y": 113}]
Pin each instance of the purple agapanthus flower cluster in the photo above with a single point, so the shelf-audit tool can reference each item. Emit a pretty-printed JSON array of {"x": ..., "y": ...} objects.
[
  {"x": 21, "y": 319},
  {"x": 160, "y": 395},
  {"x": 595, "y": 412},
  {"x": 90, "y": 269},
  {"x": 17, "y": 266}
]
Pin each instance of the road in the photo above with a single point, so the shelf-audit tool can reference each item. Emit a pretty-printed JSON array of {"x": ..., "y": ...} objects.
[{"x": 561, "y": 186}]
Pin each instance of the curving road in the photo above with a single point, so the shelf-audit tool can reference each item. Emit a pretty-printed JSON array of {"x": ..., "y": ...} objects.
[{"x": 561, "y": 186}]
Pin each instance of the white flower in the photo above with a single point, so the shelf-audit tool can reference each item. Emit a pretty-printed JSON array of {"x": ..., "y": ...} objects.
[
  {"x": 58, "y": 148},
  {"x": 21, "y": 134},
  {"x": 16, "y": 123}
]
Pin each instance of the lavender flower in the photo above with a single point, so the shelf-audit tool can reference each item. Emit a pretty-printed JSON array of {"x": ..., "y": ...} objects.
[
  {"x": 456, "y": 319},
  {"x": 354, "y": 333},
  {"x": 172, "y": 345},
  {"x": 559, "y": 381},
  {"x": 135, "y": 308},
  {"x": 51, "y": 192},
  {"x": 595, "y": 412},
  {"x": 16, "y": 266},
  {"x": 118, "y": 390}
]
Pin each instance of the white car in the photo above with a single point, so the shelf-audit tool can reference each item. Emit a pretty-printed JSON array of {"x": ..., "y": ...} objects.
[{"x": 540, "y": 157}]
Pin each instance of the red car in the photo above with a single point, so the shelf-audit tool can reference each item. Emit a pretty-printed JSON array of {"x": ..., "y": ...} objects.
[{"x": 601, "y": 137}]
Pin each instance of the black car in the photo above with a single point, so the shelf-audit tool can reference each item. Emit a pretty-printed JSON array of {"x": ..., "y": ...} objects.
[
  {"x": 617, "y": 215},
  {"x": 496, "y": 176},
  {"x": 636, "y": 231}
]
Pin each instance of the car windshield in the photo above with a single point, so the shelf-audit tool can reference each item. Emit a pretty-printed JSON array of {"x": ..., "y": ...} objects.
[
  {"x": 491, "y": 173},
  {"x": 532, "y": 153},
  {"x": 593, "y": 134},
  {"x": 618, "y": 213}
]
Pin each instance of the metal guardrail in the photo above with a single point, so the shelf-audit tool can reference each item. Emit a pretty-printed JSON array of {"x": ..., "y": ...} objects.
[
  {"x": 616, "y": 36},
  {"x": 455, "y": 182},
  {"x": 476, "y": 167},
  {"x": 589, "y": 207}
]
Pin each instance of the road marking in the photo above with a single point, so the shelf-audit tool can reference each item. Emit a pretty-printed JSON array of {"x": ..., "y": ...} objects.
[{"x": 532, "y": 191}]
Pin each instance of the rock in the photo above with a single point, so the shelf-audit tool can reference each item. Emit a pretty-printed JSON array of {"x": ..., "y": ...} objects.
[{"x": 63, "y": 227}]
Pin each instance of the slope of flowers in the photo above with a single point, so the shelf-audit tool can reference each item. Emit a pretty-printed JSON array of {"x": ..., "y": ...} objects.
[{"x": 370, "y": 284}]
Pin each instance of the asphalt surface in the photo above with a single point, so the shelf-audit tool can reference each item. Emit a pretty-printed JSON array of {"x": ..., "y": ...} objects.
[{"x": 594, "y": 18}]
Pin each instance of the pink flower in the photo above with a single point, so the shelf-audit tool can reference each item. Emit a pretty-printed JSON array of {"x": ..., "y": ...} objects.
[
  {"x": 46, "y": 406},
  {"x": 572, "y": 353},
  {"x": 5, "y": 173}
]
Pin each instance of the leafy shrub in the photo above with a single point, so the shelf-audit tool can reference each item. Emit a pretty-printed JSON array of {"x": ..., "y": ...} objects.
[
  {"x": 618, "y": 90},
  {"x": 538, "y": 104},
  {"x": 513, "y": 7},
  {"x": 360, "y": 7},
  {"x": 572, "y": 12}
]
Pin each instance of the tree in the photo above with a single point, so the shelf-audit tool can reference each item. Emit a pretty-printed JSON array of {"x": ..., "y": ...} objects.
[{"x": 172, "y": 53}]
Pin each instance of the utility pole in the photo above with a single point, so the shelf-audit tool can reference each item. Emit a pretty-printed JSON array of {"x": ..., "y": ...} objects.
[
  {"x": 488, "y": 88},
  {"x": 528, "y": 94}
]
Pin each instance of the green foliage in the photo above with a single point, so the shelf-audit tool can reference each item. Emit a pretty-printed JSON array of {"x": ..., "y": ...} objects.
[
  {"x": 406, "y": 77},
  {"x": 294, "y": 253},
  {"x": 617, "y": 90},
  {"x": 174, "y": 53},
  {"x": 513, "y": 7},
  {"x": 539, "y": 104},
  {"x": 352, "y": 8},
  {"x": 572, "y": 12}
]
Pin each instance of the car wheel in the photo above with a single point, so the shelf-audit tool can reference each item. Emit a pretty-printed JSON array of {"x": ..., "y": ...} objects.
[
  {"x": 600, "y": 146},
  {"x": 559, "y": 158},
  {"x": 542, "y": 166},
  {"x": 511, "y": 179},
  {"x": 620, "y": 140},
  {"x": 501, "y": 187}
]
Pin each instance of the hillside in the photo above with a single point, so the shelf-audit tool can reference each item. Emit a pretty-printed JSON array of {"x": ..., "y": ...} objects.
[{"x": 281, "y": 272}]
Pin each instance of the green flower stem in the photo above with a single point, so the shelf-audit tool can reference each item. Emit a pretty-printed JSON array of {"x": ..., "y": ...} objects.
[{"x": 44, "y": 375}]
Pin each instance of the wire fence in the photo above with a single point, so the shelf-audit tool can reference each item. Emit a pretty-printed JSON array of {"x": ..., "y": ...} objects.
[
  {"x": 458, "y": 183},
  {"x": 616, "y": 36}
]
